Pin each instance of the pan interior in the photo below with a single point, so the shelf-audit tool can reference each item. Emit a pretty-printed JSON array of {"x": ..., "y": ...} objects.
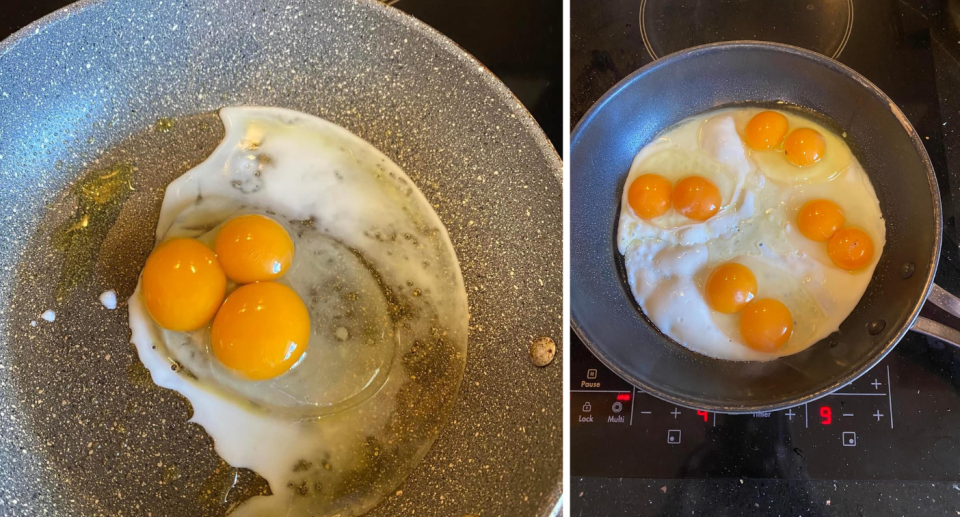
[
  {"x": 128, "y": 90},
  {"x": 653, "y": 99}
]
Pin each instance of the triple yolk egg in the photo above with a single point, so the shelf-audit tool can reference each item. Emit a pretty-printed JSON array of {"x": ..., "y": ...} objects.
[{"x": 263, "y": 327}]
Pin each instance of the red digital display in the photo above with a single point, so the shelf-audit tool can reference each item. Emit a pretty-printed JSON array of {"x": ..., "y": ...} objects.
[
  {"x": 703, "y": 414},
  {"x": 826, "y": 415},
  {"x": 625, "y": 397}
]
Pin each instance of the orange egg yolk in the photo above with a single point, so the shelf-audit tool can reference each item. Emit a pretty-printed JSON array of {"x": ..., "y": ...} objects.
[
  {"x": 766, "y": 325},
  {"x": 804, "y": 147},
  {"x": 819, "y": 219},
  {"x": 261, "y": 330},
  {"x": 697, "y": 198},
  {"x": 182, "y": 284},
  {"x": 850, "y": 248},
  {"x": 730, "y": 287},
  {"x": 649, "y": 196},
  {"x": 766, "y": 130},
  {"x": 253, "y": 248}
]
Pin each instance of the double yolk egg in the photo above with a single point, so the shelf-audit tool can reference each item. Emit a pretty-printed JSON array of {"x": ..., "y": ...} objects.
[
  {"x": 262, "y": 328},
  {"x": 765, "y": 324},
  {"x": 822, "y": 220},
  {"x": 695, "y": 197}
]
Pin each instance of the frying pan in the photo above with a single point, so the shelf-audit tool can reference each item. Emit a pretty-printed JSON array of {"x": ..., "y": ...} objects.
[
  {"x": 83, "y": 430},
  {"x": 633, "y": 112}
]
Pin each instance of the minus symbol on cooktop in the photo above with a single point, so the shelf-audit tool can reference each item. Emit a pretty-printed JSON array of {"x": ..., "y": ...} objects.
[
  {"x": 848, "y": 414},
  {"x": 645, "y": 412}
]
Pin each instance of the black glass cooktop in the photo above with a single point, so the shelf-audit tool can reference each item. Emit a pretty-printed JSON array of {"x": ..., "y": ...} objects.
[
  {"x": 899, "y": 421},
  {"x": 897, "y": 425}
]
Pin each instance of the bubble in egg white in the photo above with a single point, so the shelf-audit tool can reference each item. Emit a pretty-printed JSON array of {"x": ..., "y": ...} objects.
[{"x": 109, "y": 299}]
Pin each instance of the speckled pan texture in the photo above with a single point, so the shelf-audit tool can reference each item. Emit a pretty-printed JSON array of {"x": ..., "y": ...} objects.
[{"x": 130, "y": 88}]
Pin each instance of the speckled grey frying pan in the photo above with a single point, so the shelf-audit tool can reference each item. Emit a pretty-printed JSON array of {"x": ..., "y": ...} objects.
[{"x": 83, "y": 431}]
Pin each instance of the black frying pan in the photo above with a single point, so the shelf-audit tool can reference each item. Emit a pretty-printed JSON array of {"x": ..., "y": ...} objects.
[{"x": 630, "y": 115}]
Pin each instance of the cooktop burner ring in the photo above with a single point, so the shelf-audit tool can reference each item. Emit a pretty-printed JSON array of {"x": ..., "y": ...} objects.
[{"x": 823, "y": 26}]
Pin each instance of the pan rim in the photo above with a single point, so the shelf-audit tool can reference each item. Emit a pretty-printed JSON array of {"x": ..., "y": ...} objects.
[
  {"x": 553, "y": 503},
  {"x": 880, "y": 351},
  {"x": 550, "y": 154}
]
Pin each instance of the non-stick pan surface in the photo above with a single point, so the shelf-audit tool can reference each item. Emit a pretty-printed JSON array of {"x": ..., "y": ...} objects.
[
  {"x": 83, "y": 431},
  {"x": 663, "y": 93}
]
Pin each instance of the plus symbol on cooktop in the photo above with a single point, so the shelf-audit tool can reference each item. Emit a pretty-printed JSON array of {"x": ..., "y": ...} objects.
[
  {"x": 675, "y": 412},
  {"x": 876, "y": 384},
  {"x": 878, "y": 414},
  {"x": 790, "y": 414}
]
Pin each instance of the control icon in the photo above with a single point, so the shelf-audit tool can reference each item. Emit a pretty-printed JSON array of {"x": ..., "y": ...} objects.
[
  {"x": 849, "y": 439},
  {"x": 673, "y": 436},
  {"x": 587, "y": 407},
  {"x": 592, "y": 373},
  {"x": 617, "y": 407}
]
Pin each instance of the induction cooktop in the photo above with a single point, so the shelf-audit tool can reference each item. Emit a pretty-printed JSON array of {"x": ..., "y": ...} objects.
[{"x": 894, "y": 433}]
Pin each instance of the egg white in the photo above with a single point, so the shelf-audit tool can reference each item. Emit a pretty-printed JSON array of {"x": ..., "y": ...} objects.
[
  {"x": 341, "y": 429},
  {"x": 836, "y": 157},
  {"x": 668, "y": 258}
]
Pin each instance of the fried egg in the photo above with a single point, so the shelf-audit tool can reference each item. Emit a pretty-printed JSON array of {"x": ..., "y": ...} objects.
[
  {"x": 785, "y": 258},
  {"x": 306, "y": 299}
]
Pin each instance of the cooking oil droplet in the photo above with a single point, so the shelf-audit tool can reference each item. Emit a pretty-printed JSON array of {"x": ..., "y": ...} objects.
[{"x": 164, "y": 125}]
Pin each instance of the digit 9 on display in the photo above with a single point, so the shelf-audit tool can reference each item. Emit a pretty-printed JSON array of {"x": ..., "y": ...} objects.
[{"x": 826, "y": 415}]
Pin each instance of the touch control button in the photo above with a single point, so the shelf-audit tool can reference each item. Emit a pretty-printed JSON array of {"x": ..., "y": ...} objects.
[
  {"x": 673, "y": 436},
  {"x": 849, "y": 439}
]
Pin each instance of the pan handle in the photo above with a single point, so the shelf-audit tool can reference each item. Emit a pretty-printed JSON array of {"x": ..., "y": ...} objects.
[{"x": 948, "y": 302}]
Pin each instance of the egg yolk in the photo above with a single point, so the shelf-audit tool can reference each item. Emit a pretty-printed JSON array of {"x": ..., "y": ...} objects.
[
  {"x": 649, "y": 196},
  {"x": 182, "y": 284},
  {"x": 261, "y": 330},
  {"x": 850, "y": 248},
  {"x": 804, "y": 147},
  {"x": 766, "y": 130},
  {"x": 253, "y": 248},
  {"x": 697, "y": 198},
  {"x": 820, "y": 219},
  {"x": 766, "y": 325},
  {"x": 730, "y": 287}
]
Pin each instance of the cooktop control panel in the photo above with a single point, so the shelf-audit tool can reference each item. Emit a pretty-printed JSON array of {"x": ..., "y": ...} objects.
[{"x": 899, "y": 421}]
